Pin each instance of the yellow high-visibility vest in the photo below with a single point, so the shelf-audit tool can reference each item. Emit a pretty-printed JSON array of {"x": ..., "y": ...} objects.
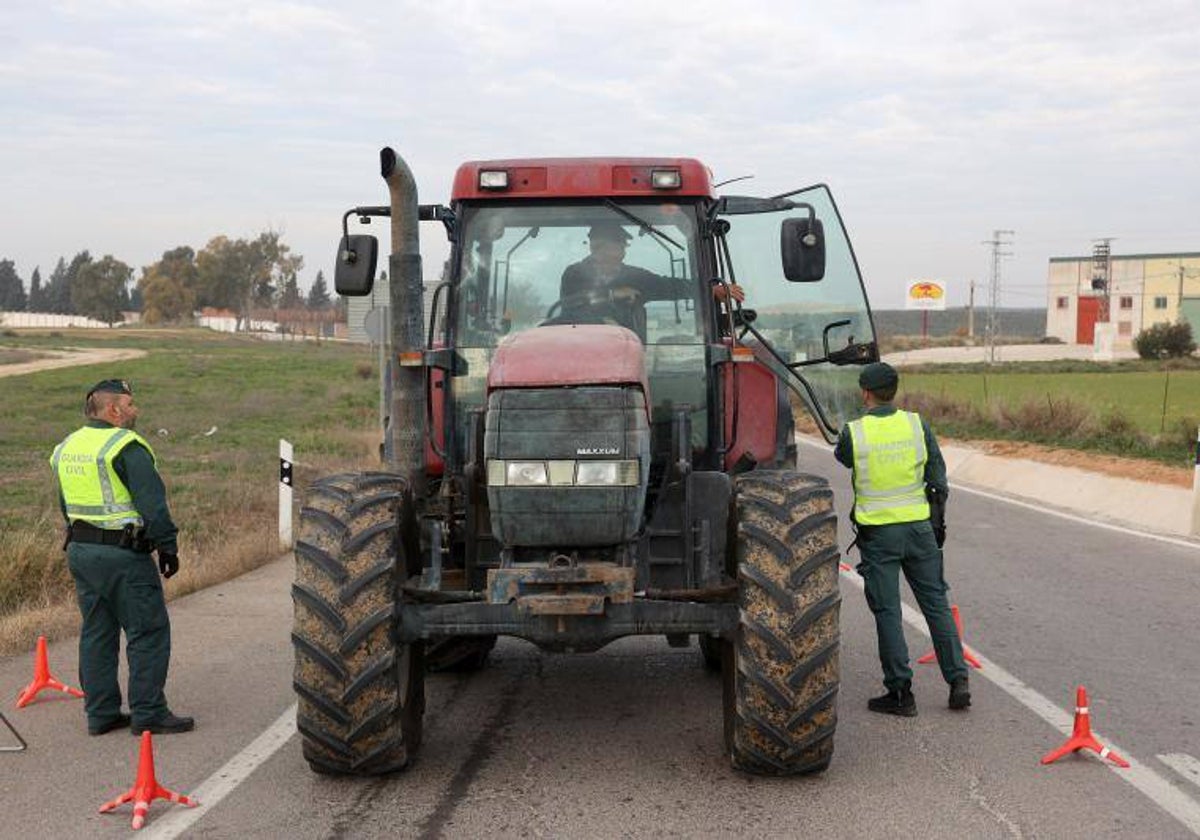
[
  {"x": 889, "y": 468},
  {"x": 91, "y": 488}
]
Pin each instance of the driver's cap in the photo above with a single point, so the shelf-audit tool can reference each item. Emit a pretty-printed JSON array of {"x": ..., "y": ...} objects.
[{"x": 610, "y": 232}]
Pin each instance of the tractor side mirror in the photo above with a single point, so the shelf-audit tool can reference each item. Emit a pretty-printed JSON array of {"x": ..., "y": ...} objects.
[
  {"x": 355, "y": 266},
  {"x": 802, "y": 246}
]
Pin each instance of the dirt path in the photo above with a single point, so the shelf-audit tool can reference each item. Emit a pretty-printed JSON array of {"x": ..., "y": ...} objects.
[{"x": 71, "y": 357}]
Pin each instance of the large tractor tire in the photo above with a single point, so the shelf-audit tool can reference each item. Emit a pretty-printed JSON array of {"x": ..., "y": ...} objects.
[
  {"x": 458, "y": 653},
  {"x": 361, "y": 694},
  {"x": 781, "y": 671}
]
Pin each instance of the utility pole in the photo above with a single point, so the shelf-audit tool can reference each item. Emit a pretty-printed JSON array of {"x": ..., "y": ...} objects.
[
  {"x": 999, "y": 245},
  {"x": 971, "y": 311},
  {"x": 1102, "y": 276},
  {"x": 1183, "y": 272}
]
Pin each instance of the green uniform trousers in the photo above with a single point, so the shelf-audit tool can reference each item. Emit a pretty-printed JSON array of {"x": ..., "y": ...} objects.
[
  {"x": 119, "y": 589},
  {"x": 909, "y": 547}
]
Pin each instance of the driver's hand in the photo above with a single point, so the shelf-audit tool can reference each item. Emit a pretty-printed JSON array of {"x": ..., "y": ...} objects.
[
  {"x": 625, "y": 294},
  {"x": 722, "y": 293}
]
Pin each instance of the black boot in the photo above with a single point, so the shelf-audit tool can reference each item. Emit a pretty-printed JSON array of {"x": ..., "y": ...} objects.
[
  {"x": 168, "y": 724},
  {"x": 960, "y": 695},
  {"x": 898, "y": 701}
]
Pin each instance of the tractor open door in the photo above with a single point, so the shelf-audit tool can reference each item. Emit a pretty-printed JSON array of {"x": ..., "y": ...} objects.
[{"x": 812, "y": 323}]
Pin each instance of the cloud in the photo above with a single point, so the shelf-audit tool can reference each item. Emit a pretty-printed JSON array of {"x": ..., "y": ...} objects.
[{"x": 137, "y": 126}]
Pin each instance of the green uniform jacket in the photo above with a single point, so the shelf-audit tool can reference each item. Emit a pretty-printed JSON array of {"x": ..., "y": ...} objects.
[
  {"x": 935, "y": 466},
  {"x": 135, "y": 466}
]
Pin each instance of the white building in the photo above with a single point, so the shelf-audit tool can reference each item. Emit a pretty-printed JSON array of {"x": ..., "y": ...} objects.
[{"x": 1143, "y": 290}]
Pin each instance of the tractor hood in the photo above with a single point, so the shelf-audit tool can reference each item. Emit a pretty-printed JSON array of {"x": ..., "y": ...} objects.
[{"x": 569, "y": 355}]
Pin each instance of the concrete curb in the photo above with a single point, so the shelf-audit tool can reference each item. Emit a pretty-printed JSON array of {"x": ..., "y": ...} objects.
[{"x": 1141, "y": 505}]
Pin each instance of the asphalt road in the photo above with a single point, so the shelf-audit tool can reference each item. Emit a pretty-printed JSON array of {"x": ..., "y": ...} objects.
[{"x": 626, "y": 742}]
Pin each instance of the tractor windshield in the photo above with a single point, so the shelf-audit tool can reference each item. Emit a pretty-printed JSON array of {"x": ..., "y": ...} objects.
[
  {"x": 815, "y": 335},
  {"x": 633, "y": 263},
  {"x": 630, "y": 264}
]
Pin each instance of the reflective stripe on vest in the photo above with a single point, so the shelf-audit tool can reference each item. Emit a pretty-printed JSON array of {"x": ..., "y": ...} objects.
[
  {"x": 91, "y": 488},
  {"x": 889, "y": 468}
]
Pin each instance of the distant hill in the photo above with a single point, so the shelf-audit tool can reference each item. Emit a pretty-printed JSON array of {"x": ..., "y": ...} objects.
[{"x": 1029, "y": 323}]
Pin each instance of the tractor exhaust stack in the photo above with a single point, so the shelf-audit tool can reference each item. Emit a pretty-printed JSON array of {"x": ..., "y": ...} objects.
[{"x": 406, "y": 426}]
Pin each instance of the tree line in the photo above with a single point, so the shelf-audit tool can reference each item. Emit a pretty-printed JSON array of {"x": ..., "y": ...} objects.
[{"x": 235, "y": 274}]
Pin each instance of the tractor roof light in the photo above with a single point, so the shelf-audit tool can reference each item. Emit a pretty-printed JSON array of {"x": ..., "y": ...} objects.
[
  {"x": 665, "y": 179},
  {"x": 493, "y": 179}
]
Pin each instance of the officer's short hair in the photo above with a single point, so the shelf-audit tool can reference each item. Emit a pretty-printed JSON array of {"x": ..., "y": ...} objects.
[{"x": 885, "y": 394}]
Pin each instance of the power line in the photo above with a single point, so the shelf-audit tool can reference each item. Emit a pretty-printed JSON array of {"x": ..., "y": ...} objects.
[{"x": 999, "y": 244}]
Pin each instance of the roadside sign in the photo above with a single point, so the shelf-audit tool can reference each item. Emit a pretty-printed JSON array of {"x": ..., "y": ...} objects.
[
  {"x": 375, "y": 324},
  {"x": 925, "y": 294}
]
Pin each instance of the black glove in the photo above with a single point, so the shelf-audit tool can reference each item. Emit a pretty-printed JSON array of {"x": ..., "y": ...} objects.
[
  {"x": 937, "y": 514},
  {"x": 168, "y": 563}
]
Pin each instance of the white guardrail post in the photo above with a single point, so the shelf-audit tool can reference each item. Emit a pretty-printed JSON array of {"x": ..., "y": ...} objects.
[
  {"x": 285, "y": 494},
  {"x": 1196, "y": 491}
]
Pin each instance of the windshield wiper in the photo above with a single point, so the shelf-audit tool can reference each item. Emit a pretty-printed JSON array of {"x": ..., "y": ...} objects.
[{"x": 645, "y": 226}]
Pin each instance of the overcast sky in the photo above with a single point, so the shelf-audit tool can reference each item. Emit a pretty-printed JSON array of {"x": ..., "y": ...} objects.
[{"x": 131, "y": 127}]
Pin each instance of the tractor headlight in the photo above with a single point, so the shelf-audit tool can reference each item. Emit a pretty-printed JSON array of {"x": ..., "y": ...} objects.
[
  {"x": 526, "y": 473},
  {"x": 665, "y": 179},
  {"x": 493, "y": 179},
  {"x": 502, "y": 473},
  {"x": 607, "y": 473}
]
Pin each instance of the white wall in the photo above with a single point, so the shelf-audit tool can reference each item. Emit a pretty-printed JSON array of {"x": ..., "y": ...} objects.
[
  {"x": 49, "y": 319},
  {"x": 228, "y": 323}
]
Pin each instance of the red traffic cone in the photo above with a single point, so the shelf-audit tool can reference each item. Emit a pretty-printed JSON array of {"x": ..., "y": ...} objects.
[
  {"x": 146, "y": 788},
  {"x": 971, "y": 658},
  {"x": 1082, "y": 738},
  {"x": 42, "y": 677}
]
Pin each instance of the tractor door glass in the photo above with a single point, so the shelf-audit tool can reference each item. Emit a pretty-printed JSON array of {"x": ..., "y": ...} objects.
[
  {"x": 801, "y": 320},
  {"x": 528, "y": 265}
]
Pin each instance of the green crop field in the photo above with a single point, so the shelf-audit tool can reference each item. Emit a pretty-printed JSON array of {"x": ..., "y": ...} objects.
[
  {"x": 1139, "y": 395},
  {"x": 214, "y": 408},
  {"x": 1135, "y": 408}
]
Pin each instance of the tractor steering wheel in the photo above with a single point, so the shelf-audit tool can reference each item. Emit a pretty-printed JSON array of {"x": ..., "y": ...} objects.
[{"x": 594, "y": 306}]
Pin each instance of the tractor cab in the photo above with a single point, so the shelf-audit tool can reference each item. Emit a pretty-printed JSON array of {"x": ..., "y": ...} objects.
[{"x": 529, "y": 239}]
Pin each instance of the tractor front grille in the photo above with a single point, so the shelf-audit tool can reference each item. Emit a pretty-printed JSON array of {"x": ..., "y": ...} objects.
[{"x": 567, "y": 467}]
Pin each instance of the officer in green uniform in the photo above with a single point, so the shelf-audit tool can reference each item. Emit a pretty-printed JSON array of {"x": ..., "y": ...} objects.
[
  {"x": 897, "y": 467},
  {"x": 115, "y": 505}
]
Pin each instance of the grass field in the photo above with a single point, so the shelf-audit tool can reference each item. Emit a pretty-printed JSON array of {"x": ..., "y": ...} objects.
[
  {"x": 1140, "y": 395},
  {"x": 9, "y": 356},
  {"x": 1142, "y": 409},
  {"x": 213, "y": 407}
]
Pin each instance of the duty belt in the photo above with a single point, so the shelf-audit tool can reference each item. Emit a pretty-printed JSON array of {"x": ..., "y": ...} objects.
[{"x": 127, "y": 537}]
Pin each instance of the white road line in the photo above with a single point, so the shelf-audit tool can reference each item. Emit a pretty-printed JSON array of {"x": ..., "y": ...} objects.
[
  {"x": 1157, "y": 788},
  {"x": 221, "y": 783},
  {"x": 1049, "y": 511},
  {"x": 1184, "y": 764}
]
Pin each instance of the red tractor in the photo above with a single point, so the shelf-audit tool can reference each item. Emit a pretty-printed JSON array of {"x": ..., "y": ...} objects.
[{"x": 584, "y": 446}]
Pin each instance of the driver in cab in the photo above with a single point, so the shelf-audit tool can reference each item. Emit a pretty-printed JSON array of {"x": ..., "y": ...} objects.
[{"x": 602, "y": 287}]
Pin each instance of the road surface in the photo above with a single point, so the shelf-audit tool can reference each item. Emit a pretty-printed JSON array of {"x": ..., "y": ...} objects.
[{"x": 626, "y": 742}]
